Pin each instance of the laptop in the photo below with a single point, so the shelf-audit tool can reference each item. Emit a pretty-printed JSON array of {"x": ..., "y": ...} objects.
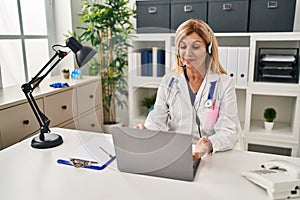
[{"x": 156, "y": 153}]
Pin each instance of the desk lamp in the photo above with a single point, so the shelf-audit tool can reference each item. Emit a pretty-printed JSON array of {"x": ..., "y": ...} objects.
[{"x": 83, "y": 55}]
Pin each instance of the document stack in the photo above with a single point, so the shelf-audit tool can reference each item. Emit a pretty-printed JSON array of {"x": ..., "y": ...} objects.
[{"x": 279, "y": 67}]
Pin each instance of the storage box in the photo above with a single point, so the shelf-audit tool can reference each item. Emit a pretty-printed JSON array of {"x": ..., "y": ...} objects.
[
  {"x": 270, "y": 15},
  {"x": 153, "y": 16},
  {"x": 182, "y": 10},
  {"x": 228, "y": 16}
]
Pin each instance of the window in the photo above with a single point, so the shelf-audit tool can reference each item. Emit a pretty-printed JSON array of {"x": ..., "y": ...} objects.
[{"x": 24, "y": 39}]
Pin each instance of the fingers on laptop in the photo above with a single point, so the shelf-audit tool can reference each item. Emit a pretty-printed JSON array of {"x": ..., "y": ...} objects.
[
  {"x": 197, "y": 155},
  {"x": 203, "y": 147}
]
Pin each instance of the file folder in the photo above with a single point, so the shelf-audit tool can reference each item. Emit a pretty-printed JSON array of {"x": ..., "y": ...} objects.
[
  {"x": 144, "y": 62},
  {"x": 223, "y": 56},
  {"x": 160, "y": 62},
  {"x": 232, "y": 62},
  {"x": 243, "y": 65}
]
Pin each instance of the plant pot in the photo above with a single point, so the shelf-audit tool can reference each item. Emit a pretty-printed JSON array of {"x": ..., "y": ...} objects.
[
  {"x": 66, "y": 75},
  {"x": 269, "y": 126},
  {"x": 107, "y": 127}
]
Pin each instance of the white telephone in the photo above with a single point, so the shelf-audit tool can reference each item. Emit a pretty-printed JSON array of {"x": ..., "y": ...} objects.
[{"x": 280, "y": 178}]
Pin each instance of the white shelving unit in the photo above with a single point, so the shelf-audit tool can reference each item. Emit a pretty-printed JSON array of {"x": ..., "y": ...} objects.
[
  {"x": 253, "y": 97},
  {"x": 140, "y": 86},
  {"x": 284, "y": 97}
]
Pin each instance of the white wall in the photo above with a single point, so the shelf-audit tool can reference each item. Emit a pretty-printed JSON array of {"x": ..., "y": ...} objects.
[{"x": 63, "y": 24}]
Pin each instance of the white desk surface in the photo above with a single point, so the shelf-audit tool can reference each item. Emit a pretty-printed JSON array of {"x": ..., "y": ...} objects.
[{"x": 33, "y": 174}]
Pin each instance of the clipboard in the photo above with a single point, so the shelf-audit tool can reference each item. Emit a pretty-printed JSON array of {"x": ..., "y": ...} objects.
[
  {"x": 95, "y": 167},
  {"x": 96, "y": 153}
]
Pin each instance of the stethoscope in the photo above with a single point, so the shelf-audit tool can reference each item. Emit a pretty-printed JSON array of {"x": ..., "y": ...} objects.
[
  {"x": 170, "y": 86},
  {"x": 208, "y": 103}
]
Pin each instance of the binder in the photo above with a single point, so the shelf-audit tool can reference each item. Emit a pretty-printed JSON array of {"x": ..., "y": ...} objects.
[
  {"x": 160, "y": 62},
  {"x": 223, "y": 56},
  {"x": 154, "y": 61},
  {"x": 232, "y": 62},
  {"x": 243, "y": 65},
  {"x": 150, "y": 63},
  {"x": 138, "y": 65},
  {"x": 144, "y": 62}
]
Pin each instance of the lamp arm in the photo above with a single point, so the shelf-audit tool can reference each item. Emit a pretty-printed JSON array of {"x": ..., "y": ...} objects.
[
  {"x": 41, "y": 117},
  {"x": 37, "y": 78},
  {"x": 28, "y": 89}
]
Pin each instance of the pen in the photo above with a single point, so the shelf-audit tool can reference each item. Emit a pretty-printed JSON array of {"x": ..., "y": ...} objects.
[
  {"x": 106, "y": 152},
  {"x": 214, "y": 104}
]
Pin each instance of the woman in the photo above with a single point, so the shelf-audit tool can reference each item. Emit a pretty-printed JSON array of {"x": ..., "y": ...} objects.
[{"x": 198, "y": 97}]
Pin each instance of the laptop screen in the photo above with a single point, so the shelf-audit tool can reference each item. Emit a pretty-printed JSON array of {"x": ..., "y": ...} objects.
[{"x": 158, "y": 153}]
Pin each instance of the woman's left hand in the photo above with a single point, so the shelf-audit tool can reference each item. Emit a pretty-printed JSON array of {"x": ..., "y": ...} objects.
[{"x": 203, "y": 147}]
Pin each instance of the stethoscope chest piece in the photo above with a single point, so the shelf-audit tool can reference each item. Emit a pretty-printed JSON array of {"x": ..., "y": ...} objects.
[{"x": 208, "y": 103}]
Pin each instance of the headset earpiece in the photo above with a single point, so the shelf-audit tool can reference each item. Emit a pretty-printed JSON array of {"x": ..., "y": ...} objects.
[{"x": 209, "y": 46}]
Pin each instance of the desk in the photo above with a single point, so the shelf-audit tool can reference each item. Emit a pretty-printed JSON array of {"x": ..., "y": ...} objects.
[{"x": 33, "y": 174}]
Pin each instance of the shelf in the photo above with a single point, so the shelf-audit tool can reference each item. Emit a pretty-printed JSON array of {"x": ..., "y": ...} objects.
[
  {"x": 279, "y": 129},
  {"x": 285, "y": 107},
  {"x": 145, "y": 81},
  {"x": 281, "y": 132},
  {"x": 276, "y": 36},
  {"x": 280, "y": 89}
]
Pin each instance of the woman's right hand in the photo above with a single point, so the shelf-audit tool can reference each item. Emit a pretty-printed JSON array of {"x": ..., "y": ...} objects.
[{"x": 141, "y": 126}]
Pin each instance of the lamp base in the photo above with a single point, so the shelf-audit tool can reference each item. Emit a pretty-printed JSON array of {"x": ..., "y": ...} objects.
[{"x": 51, "y": 140}]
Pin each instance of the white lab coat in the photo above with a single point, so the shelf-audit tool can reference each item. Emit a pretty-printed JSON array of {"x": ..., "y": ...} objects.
[{"x": 173, "y": 110}]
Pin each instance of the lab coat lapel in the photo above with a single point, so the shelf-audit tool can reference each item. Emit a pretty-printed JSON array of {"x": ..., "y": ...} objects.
[
  {"x": 184, "y": 87},
  {"x": 203, "y": 91},
  {"x": 188, "y": 109}
]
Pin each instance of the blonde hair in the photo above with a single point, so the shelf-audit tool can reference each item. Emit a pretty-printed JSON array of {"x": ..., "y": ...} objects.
[{"x": 206, "y": 33}]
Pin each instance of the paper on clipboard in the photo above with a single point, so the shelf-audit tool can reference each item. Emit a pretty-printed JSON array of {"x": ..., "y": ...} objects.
[{"x": 98, "y": 149}]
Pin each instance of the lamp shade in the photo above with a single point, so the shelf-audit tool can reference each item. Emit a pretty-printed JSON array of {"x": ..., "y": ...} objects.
[{"x": 83, "y": 53}]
